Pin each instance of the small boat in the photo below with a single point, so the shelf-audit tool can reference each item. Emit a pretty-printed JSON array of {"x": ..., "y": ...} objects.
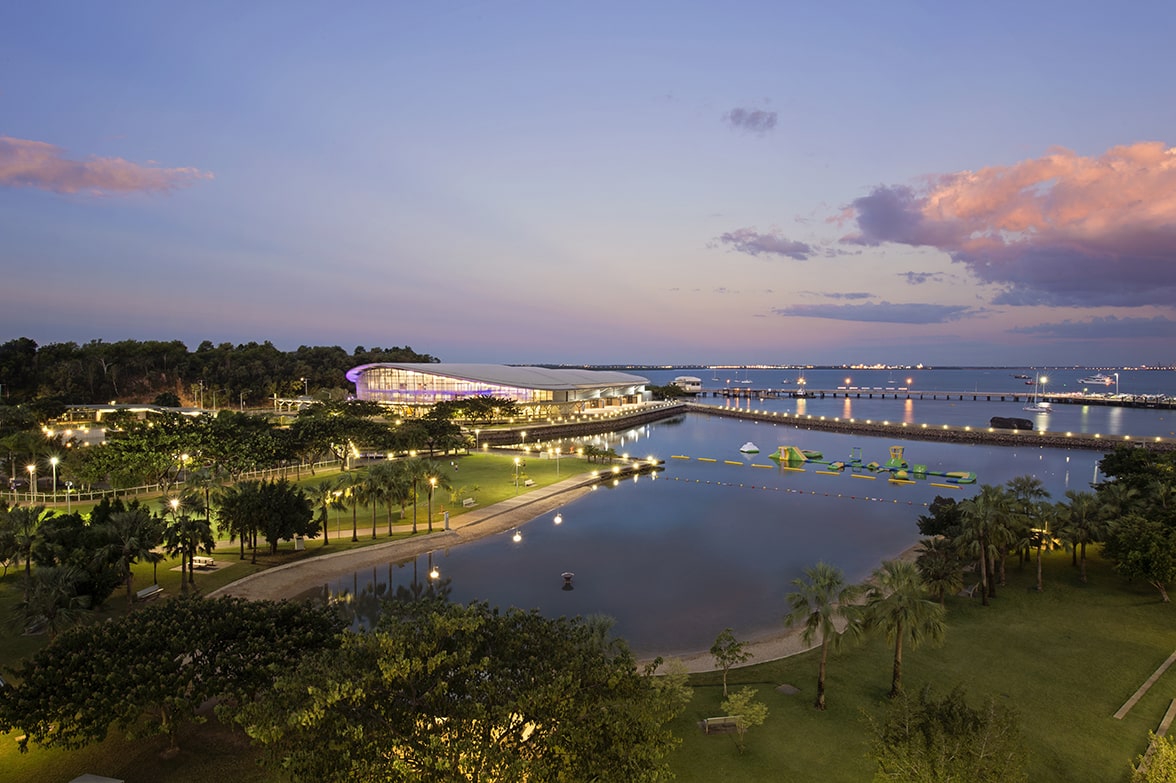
[
  {"x": 749, "y": 448},
  {"x": 1105, "y": 380},
  {"x": 1022, "y": 377},
  {"x": 1038, "y": 405}
]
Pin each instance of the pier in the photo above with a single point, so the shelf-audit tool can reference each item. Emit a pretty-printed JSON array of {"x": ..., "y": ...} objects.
[{"x": 862, "y": 393}]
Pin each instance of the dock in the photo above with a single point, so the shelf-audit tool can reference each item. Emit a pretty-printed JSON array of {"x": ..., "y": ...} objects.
[{"x": 862, "y": 393}]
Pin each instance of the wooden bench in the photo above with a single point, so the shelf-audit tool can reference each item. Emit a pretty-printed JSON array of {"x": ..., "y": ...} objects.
[
  {"x": 724, "y": 723},
  {"x": 469, "y": 503},
  {"x": 148, "y": 593},
  {"x": 529, "y": 483},
  {"x": 969, "y": 592},
  {"x": 203, "y": 562}
]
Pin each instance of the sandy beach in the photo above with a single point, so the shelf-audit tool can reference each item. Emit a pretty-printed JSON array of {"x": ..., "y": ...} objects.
[{"x": 292, "y": 579}]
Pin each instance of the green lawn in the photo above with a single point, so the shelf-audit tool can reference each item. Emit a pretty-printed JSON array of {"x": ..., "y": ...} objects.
[{"x": 1065, "y": 660}]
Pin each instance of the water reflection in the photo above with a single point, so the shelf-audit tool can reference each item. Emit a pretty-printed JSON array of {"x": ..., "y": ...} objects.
[{"x": 706, "y": 545}]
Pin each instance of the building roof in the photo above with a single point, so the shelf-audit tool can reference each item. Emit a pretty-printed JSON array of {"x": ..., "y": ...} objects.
[{"x": 521, "y": 377}]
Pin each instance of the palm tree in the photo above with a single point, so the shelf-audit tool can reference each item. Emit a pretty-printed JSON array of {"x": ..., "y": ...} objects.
[
  {"x": 326, "y": 491},
  {"x": 981, "y": 515},
  {"x": 1082, "y": 524},
  {"x": 1022, "y": 526},
  {"x": 372, "y": 492},
  {"x": 1041, "y": 537},
  {"x": 395, "y": 485},
  {"x": 897, "y": 606},
  {"x": 822, "y": 600},
  {"x": 25, "y": 521},
  {"x": 939, "y": 566},
  {"x": 417, "y": 471},
  {"x": 51, "y": 601},
  {"x": 351, "y": 483},
  {"x": 133, "y": 539}
]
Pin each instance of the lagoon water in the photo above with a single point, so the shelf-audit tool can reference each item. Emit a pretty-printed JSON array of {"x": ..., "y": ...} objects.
[{"x": 702, "y": 546}]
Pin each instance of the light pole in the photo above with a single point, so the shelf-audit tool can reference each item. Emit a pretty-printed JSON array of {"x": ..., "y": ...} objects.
[
  {"x": 243, "y": 400},
  {"x": 68, "y": 491},
  {"x": 432, "y": 486},
  {"x": 524, "y": 433},
  {"x": 516, "y": 474},
  {"x": 477, "y": 434},
  {"x": 53, "y": 464},
  {"x": 305, "y": 387},
  {"x": 33, "y": 483},
  {"x": 557, "y": 450},
  {"x": 1116, "y": 384}
]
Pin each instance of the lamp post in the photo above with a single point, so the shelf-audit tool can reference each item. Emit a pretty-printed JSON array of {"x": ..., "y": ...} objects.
[
  {"x": 432, "y": 486},
  {"x": 516, "y": 474},
  {"x": 305, "y": 387},
  {"x": 53, "y": 464},
  {"x": 524, "y": 433},
  {"x": 68, "y": 491},
  {"x": 1116, "y": 384},
  {"x": 477, "y": 445},
  {"x": 33, "y": 483},
  {"x": 557, "y": 451},
  {"x": 243, "y": 400}
]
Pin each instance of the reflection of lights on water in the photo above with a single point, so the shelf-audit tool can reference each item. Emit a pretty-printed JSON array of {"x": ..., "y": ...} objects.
[{"x": 517, "y": 537}]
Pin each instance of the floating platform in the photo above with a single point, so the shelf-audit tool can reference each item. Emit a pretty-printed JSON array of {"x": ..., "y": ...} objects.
[{"x": 901, "y": 472}]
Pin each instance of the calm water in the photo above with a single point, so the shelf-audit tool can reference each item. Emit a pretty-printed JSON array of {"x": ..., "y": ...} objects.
[
  {"x": 706, "y": 545},
  {"x": 1088, "y": 419}
]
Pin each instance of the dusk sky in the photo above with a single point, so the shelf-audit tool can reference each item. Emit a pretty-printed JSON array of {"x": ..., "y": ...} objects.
[{"x": 529, "y": 182}]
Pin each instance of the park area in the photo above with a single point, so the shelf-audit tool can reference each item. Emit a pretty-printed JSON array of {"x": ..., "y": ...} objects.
[{"x": 1063, "y": 660}]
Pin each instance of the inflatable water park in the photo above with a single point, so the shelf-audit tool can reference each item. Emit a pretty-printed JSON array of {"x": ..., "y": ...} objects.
[{"x": 901, "y": 471}]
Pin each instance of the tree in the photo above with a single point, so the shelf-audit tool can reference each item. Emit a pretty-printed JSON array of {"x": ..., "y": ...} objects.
[
  {"x": 728, "y": 652},
  {"x": 275, "y": 510},
  {"x": 1143, "y": 548},
  {"x": 148, "y": 672},
  {"x": 444, "y": 692},
  {"x": 1081, "y": 524},
  {"x": 822, "y": 600},
  {"x": 929, "y": 740},
  {"x": 939, "y": 567},
  {"x": 53, "y": 602},
  {"x": 1158, "y": 765},
  {"x": 25, "y": 521},
  {"x": 351, "y": 482},
  {"x": 982, "y": 516},
  {"x": 134, "y": 536},
  {"x": 747, "y": 712},
  {"x": 395, "y": 486},
  {"x": 896, "y": 605}
]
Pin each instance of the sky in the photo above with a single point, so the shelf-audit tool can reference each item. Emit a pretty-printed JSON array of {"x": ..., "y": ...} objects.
[{"x": 596, "y": 182}]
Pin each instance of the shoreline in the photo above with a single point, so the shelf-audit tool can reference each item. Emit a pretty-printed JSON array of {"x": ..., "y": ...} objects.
[{"x": 292, "y": 579}]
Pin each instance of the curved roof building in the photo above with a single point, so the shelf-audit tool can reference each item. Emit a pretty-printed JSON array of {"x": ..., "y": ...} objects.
[{"x": 419, "y": 384}]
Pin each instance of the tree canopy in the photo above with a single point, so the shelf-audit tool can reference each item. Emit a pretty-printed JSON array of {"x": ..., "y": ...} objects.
[
  {"x": 443, "y": 692},
  {"x": 149, "y": 671}
]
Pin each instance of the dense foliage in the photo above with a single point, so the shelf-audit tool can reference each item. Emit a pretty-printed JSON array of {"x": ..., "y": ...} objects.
[
  {"x": 442, "y": 692},
  {"x": 148, "y": 672},
  {"x": 139, "y": 371},
  {"x": 925, "y": 739}
]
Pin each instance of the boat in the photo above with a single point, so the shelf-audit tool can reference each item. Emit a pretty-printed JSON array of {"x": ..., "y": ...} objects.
[
  {"x": 1105, "y": 380},
  {"x": 1038, "y": 406},
  {"x": 688, "y": 384},
  {"x": 1022, "y": 377},
  {"x": 745, "y": 379},
  {"x": 749, "y": 448}
]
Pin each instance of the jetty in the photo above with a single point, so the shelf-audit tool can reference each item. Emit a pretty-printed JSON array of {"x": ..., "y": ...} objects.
[{"x": 903, "y": 393}]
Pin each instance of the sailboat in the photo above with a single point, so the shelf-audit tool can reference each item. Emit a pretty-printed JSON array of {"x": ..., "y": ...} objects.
[
  {"x": 745, "y": 380},
  {"x": 1038, "y": 406}
]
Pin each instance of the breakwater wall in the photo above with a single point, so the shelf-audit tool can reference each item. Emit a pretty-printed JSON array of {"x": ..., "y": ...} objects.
[{"x": 980, "y": 435}]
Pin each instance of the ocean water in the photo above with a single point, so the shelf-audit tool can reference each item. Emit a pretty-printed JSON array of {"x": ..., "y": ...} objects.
[
  {"x": 677, "y": 558},
  {"x": 1087, "y": 419}
]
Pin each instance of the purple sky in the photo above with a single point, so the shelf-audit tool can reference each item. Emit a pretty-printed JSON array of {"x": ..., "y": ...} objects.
[{"x": 596, "y": 182}]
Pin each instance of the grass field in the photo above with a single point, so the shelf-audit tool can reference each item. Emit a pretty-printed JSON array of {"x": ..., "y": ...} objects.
[{"x": 1065, "y": 660}]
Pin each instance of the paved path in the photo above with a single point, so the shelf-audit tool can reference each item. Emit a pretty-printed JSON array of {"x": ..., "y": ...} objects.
[{"x": 291, "y": 579}]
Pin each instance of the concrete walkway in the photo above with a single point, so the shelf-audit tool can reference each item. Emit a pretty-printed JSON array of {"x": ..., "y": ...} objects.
[{"x": 291, "y": 579}]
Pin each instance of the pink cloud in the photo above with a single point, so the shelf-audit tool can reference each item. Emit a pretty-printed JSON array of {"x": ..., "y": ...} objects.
[
  {"x": 36, "y": 164},
  {"x": 1060, "y": 229}
]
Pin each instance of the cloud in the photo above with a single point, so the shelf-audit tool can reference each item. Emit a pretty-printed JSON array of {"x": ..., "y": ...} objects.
[
  {"x": 881, "y": 312},
  {"x": 748, "y": 240},
  {"x": 752, "y": 120},
  {"x": 1109, "y": 327},
  {"x": 36, "y": 164},
  {"x": 918, "y": 278},
  {"x": 1062, "y": 229}
]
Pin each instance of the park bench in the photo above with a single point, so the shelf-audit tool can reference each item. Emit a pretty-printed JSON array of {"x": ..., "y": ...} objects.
[
  {"x": 469, "y": 503},
  {"x": 203, "y": 562},
  {"x": 724, "y": 723},
  {"x": 969, "y": 592},
  {"x": 529, "y": 483},
  {"x": 148, "y": 592}
]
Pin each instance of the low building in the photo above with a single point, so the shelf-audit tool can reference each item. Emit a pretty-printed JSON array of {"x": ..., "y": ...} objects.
[{"x": 539, "y": 391}]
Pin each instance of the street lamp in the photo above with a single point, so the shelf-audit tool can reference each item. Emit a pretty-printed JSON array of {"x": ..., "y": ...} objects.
[
  {"x": 1116, "y": 384},
  {"x": 305, "y": 387},
  {"x": 516, "y": 474},
  {"x": 53, "y": 464},
  {"x": 68, "y": 491},
  {"x": 32, "y": 483},
  {"x": 557, "y": 451},
  {"x": 477, "y": 445},
  {"x": 432, "y": 486},
  {"x": 524, "y": 433},
  {"x": 243, "y": 400}
]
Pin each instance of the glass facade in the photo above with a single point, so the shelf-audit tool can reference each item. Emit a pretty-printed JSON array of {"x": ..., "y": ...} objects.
[{"x": 408, "y": 387}]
